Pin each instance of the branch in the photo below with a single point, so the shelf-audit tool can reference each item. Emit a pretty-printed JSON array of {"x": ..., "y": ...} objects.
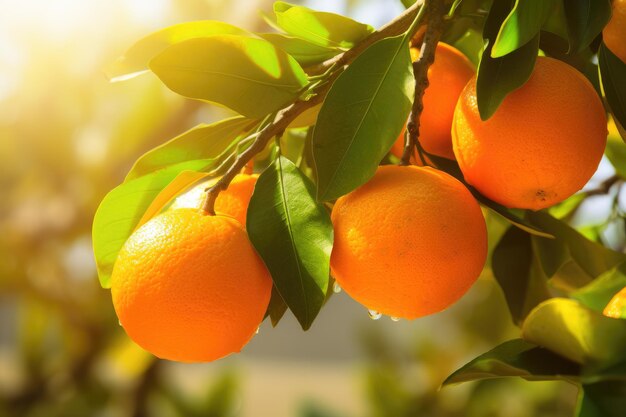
[
  {"x": 605, "y": 186},
  {"x": 435, "y": 11},
  {"x": 284, "y": 117}
]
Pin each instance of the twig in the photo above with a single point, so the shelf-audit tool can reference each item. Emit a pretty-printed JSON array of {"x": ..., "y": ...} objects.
[
  {"x": 605, "y": 186},
  {"x": 435, "y": 11},
  {"x": 285, "y": 116}
]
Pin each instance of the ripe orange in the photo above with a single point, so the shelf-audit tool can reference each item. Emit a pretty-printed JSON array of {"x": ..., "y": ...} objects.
[
  {"x": 408, "y": 243},
  {"x": 190, "y": 287},
  {"x": 614, "y": 33},
  {"x": 232, "y": 202},
  {"x": 616, "y": 308},
  {"x": 447, "y": 76},
  {"x": 541, "y": 146},
  {"x": 235, "y": 199}
]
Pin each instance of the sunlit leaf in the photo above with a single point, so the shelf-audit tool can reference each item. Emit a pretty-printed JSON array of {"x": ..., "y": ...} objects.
[
  {"x": 497, "y": 77},
  {"x": 521, "y": 25},
  {"x": 613, "y": 78},
  {"x": 516, "y": 358},
  {"x": 294, "y": 236},
  {"x": 585, "y": 21},
  {"x": 616, "y": 150},
  {"x": 202, "y": 142},
  {"x": 305, "y": 52},
  {"x": 321, "y": 28},
  {"x": 518, "y": 273},
  {"x": 167, "y": 194},
  {"x": 572, "y": 330},
  {"x": 362, "y": 116},
  {"x": 251, "y": 76},
  {"x": 135, "y": 60},
  {"x": 123, "y": 208},
  {"x": 600, "y": 291}
]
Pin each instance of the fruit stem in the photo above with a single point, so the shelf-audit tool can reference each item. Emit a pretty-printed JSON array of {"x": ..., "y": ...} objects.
[
  {"x": 333, "y": 67},
  {"x": 435, "y": 10}
]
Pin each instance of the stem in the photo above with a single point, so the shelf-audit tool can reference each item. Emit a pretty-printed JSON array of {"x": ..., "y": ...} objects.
[
  {"x": 333, "y": 67},
  {"x": 435, "y": 11}
]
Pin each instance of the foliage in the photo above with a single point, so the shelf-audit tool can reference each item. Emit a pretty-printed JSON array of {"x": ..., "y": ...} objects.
[{"x": 555, "y": 279}]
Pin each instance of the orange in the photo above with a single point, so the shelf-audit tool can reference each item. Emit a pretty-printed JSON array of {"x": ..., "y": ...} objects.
[
  {"x": 616, "y": 308},
  {"x": 232, "y": 202},
  {"x": 408, "y": 243},
  {"x": 235, "y": 199},
  {"x": 542, "y": 144},
  {"x": 447, "y": 76},
  {"x": 614, "y": 33},
  {"x": 189, "y": 287}
]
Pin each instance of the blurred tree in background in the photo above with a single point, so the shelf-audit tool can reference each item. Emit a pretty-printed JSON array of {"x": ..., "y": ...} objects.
[{"x": 67, "y": 136}]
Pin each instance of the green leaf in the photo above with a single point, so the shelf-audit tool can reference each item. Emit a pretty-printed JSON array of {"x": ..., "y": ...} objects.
[
  {"x": 362, "y": 116},
  {"x": 497, "y": 77},
  {"x": 321, "y": 28},
  {"x": 135, "y": 60},
  {"x": 516, "y": 358},
  {"x": 521, "y": 26},
  {"x": 585, "y": 21},
  {"x": 518, "y": 274},
  {"x": 251, "y": 76},
  {"x": 305, "y": 52},
  {"x": 277, "y": 307},
  {"x": 613, "y": 79},
  {"x": 202, "y": 142},
  {"x": 294, "y": 236},
  {"x": 121, "y": 211},
  {"x": 597, "y": 294},
  {"x": 593, "y": 258},
  {"x": 572, "y": 330},
  {"x": 602, "y": 399}
]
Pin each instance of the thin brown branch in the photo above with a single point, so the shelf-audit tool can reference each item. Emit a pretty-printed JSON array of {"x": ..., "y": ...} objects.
[
  {"x": 284, "y": 117},
  {"x": 605, "y": 186},
  {"x": 435, "y": 10}
]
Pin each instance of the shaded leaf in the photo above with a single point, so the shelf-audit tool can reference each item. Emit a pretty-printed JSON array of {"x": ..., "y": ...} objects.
[
  {"x": 305, "y": 52},
  {"x": 202, "y": 142},
  {"x": 593, "y": 258},
  {"x": 585, "y": 21},
  {"x": 497, "y": 77},
  {"x": 518, "y": 274},
  {"x": 121, "y": 211},
  {"x": 362, "y": 116},
  {"x": 294, "y": 235},
  {"x": 602, "y": 399},
  {"x": 572, "y": 330},
  {"x": 613, "y": 79},
  {"x": 251, "y": 76},
  {"x": 521, "y": 26},
  {"x": 616, "y": 150},
  {"x": 276, "y": 308},
  {"x": 516, "y": 358},
  {"x": 135, "y": 60},
  {"x": 321, "y": 28}
]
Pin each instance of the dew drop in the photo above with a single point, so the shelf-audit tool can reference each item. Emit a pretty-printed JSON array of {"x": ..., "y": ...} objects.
[
  {"x": 119, "y": 322},
  {"x": 258, "y": 329},
  {"x": 336, "y": 288},
  {"x": 374, "y": 315},
  {"x": 395, "y": 319}
]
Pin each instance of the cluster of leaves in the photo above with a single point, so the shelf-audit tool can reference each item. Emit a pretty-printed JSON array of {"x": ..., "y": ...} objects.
[{"x": 555, "y": 280}]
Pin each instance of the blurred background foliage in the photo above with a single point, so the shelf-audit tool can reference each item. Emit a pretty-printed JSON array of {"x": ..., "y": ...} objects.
[{"x": 68, "y": 136}]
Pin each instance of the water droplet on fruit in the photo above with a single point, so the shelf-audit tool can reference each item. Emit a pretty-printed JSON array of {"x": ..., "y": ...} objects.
[
  {"x": 119, "y": 322},
  {"x": 336, "y": 288},
  {"x": 374, "y": 315},
  {"x": 395, "y": 319},
  {"x": 258, "y": 329}
]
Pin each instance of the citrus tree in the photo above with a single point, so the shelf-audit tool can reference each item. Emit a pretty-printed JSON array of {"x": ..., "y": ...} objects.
[{"x": 368, "y": 160}]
